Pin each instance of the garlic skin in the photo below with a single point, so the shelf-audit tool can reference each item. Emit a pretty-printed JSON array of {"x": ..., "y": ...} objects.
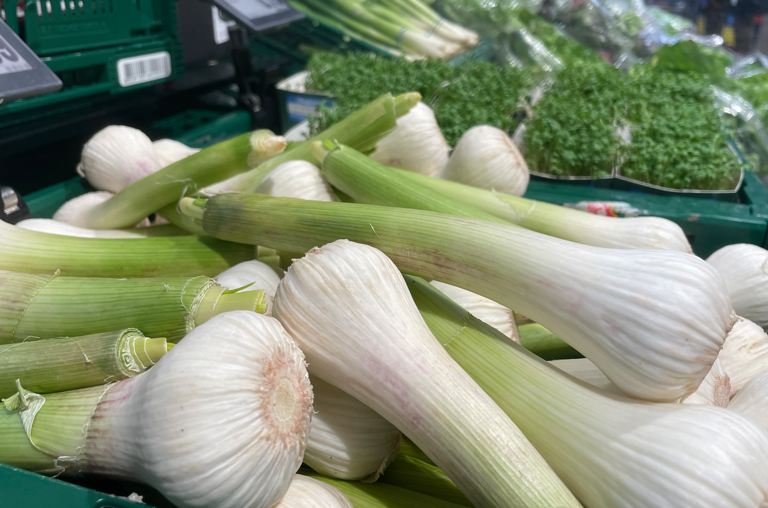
[
  {"x": 486, "y": 157},
  {"x": 76, "y": 209},
  {"x": 264, "y": 144},
  {"x": 415, "y": 145},
  {"x": 584, "y": 370},
  {"x": 744, "y": 355},
  {"x": 297, "y": 179},
  {"x": 116, "y": 157},
  {"x": 62, "y": 228},
  {"x": 306, "y": 492},
  {"x": 488, "y": 311},
  {"x": 348, "y": 440},
  {"x": 170, "y": 151},
  {"x": 349, "y": 309},
  {"x": 259, "y": 275},
  {"x": 745, "y": 270},
  {"x": 238, "y": 387},
  {"x": 752, "y": 400}
]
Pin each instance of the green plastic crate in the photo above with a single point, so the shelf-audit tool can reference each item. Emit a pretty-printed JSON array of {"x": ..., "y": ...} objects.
[
  {"x": 709, "y": 224},
  {"x": 83, "y": 41}
]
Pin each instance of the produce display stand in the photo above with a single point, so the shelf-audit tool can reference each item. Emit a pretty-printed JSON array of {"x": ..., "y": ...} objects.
[
  {"x": 708, "y": 223},
  {"x": 97, "y": 48}
]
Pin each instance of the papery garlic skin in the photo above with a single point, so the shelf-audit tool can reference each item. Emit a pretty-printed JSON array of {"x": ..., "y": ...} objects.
[
  {"x": 584, "y": 370},
  {"x": 348, "y": 307},
  {"x": 170, "y": 151},
  {"x": 297, "y": 179},
  {"x": 745, "y": 270},
  {"x": 744, "y": 355},
  {"x": 752, "y": 400},
  {"x": 306, "y": 492},
  {"x": 416, "y": 144},
  {"x": 76, "y": 209},
  {"x": 486, "y": 157},
  {"x": 348, "y": 440},
  {"x": 62, "y": 228},
  {"x": 116, "y": 157},
  {"x": 259, "y": 275},
  {"x": 220, "y": 422},
  {"x": 495, "y": 314}
]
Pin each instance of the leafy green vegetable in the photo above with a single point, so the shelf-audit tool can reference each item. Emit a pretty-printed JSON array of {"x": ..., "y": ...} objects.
[{"x": 462, "y": 96}]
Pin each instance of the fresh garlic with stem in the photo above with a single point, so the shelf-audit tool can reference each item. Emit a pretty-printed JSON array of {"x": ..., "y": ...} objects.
[
  {"x": 297, "y": 179},
  {"x": 306, "y": 492},
  {"x": 484, "y": 309},
  {"x": 745, "y": 270},
  {"x": 170, "y": 151},
  {"x": 259, "y": 275},
  {"x": 220, "y": 422},
  {"x": 348, "y": 308},
  {"x": 116, "y": 157},
  {"x": 752, "y": 400},
  {"x": 486, "y": 157},
  {"x": 610, "y": 450},
  {"x": 744, "y": 355},
  {"x": 348, "y": 440},
  {"x": 75, "y": 210},
  {"x": 416, "y": 144},
  {"x": 584, "y": 370},
  {"x": 62, "y": 228}
]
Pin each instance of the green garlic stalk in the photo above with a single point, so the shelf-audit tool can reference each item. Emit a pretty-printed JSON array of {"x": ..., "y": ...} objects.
[
  {"x": 416, "y": 475},
  {"x": 58, "y": 365},
  {"x": 34, "y": 252},
  {"x": 349, "y": 310},
  {"x": 50, "y": 306},
  {"x": 220, "y": 422},
  {"x": 611, "y": 451},
  {"x": 653, "y": 321}
]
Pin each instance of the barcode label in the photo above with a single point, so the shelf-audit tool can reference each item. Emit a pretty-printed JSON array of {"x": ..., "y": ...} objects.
[{"x": 144, "y": 68}]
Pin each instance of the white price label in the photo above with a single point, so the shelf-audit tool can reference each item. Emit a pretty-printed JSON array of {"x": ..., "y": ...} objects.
[
  {"x": 10, "y": 60},
  {"x": 142, "y": 69},
  {"x": 220, "y": 27}
]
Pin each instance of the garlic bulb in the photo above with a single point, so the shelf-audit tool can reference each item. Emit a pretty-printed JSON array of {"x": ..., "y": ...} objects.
[
  {"x": 744, "y": 355},
  {"x": 752, "y": 400},
  {"x": 116, "y": 157},
  {"x": 348, "y": 440},
  {"x": 416, "y": 144},
  {"x": 170, "y": 151},
  {"x": 76, "y": 209},
  {"x": 297, "y": 179},
  {"x": 220, "y": 422},
  {"x": 306, "y": 492},
  {"x": 745, "y": 270},
  {"x": 62, "y": 228},
  {"x": 259, "y": 275},
  {"x": 348, "y": 308},
  {"x": 584, "y": 370},
  {"x": 482, "y": 308},
  {"x": 486, "y": 157}
]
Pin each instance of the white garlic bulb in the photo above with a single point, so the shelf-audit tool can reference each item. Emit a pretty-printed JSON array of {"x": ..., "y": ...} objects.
[
  {"x": 415, "y": 145},
  {"x": 488, "y": 311},
  {"x": 116, "y": 157},
  {"x": 170, "y": 151},
  {"x": 348, "y": 440},
  {"x": 76, "y": 209},
  {"x": 306, "y": 492},
  {"x": 297, "y": 179},
  {"x": 752, "y": 400},
  {"x": 745, "y": 270},
  {"x": 486, "y": 157}
]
